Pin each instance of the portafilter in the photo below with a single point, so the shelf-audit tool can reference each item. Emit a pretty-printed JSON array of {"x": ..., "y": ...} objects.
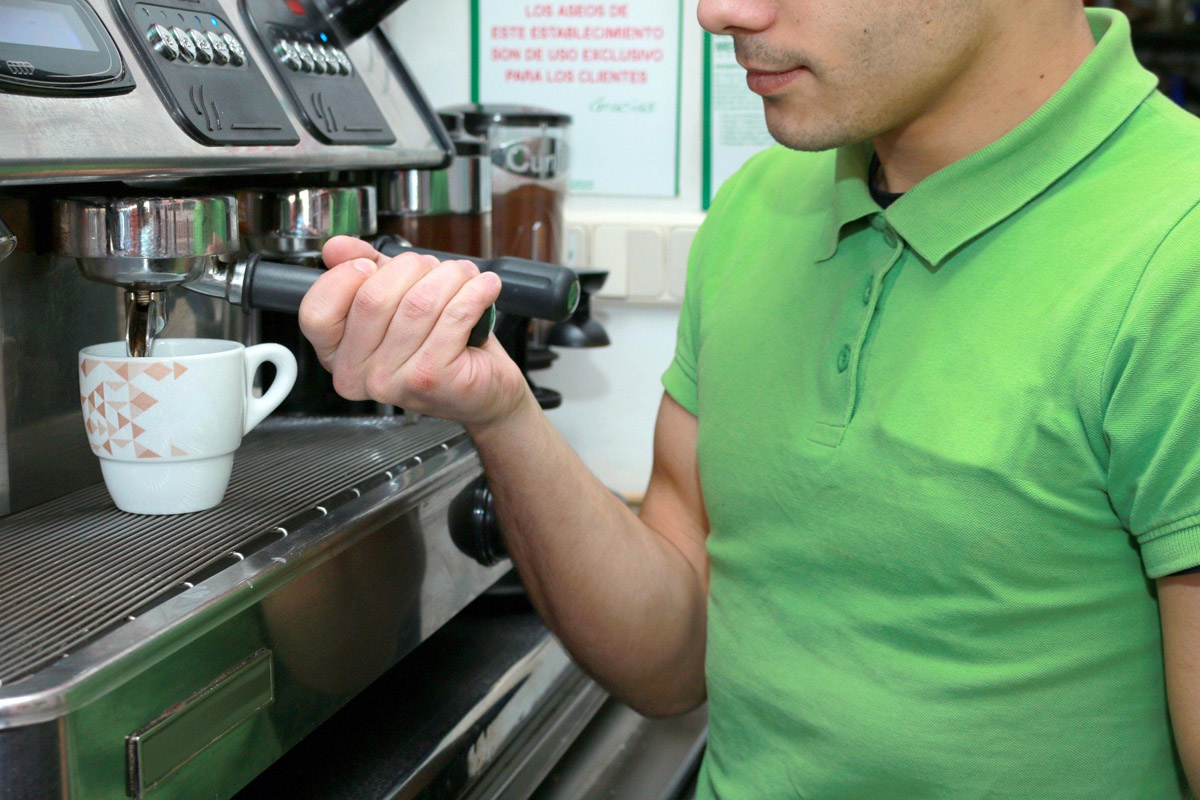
[{"x": 148, "y": 244}]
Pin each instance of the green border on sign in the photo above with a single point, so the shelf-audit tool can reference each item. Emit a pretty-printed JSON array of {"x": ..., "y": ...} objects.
[
  {"x": 679, "y": 98},
  {"x": 474, "y": 51},
  {"x": 477, "y": 38},
  {"x": 706, "y": 178}
]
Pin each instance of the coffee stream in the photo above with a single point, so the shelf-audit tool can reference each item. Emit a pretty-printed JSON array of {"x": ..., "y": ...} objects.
[{"x": 145, "y": 317}]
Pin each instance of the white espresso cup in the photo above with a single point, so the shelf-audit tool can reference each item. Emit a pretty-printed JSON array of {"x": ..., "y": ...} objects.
[{"x": 166, "y": 426}]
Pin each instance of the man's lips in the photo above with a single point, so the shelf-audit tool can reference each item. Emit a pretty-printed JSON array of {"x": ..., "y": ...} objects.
[{"x": 766, "y": 83}]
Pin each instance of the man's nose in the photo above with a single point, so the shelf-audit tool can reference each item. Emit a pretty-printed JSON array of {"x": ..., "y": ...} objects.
[{"x": 736, "y": 16}]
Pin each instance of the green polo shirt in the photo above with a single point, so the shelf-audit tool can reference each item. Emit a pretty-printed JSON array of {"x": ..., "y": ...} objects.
[{"x": 944, "y": 449}]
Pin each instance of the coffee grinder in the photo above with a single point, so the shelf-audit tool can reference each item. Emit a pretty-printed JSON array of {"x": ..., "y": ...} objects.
[
  {"x": 444, "y": 209},
  {"x": 529, "y": 152}
]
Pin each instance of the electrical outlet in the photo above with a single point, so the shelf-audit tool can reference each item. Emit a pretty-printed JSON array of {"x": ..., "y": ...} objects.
[
  {"x": 576, "y": 246},
  {"x": 645, "y": 255}
]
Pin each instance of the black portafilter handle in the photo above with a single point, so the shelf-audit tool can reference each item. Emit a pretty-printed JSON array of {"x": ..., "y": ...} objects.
[
  {"x": 271, "y": 286},
  {"x": 529, "y": 288}
]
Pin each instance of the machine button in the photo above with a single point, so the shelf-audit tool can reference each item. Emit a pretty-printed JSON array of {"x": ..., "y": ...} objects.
[
  {"x": 163, "y": 41},
  {"x": 335, "y": 66},
  {"x": 473, "y": 524},
  {"x": 320, "y": 65},
  {"x": 343, "y": 61},
  {"x": 219, "y": 48},
  {"x": 237, "y": 56},
  {"x": 307, "y": 62},
  {"x": 287, "y": 55},
  {"x": 187, "y": 48},
  {"x": 331, "y": 65},
  {"x": 204, "y": 50}
]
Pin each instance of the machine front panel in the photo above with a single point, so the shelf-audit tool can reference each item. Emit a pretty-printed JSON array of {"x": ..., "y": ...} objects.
[
  {"x": 157, "y": 129},
  {"x": 58, "y": 47},
  {"x": 212, "y": 86},
  {"x": 321, "y": 80}
]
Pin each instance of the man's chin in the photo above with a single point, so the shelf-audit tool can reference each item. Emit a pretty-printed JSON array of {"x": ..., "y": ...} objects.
[{"x": 804, "y": 131}]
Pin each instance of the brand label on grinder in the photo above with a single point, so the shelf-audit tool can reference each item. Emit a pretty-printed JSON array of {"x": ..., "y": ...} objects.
[{"x": 539, "y": 158}]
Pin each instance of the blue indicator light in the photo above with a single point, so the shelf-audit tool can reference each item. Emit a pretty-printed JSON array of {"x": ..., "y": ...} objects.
[
  {"x": 215, "y": 23},
  {"x": 324, "y": 38}
]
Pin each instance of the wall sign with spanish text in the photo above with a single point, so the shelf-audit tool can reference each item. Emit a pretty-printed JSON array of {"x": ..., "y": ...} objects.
[
  {"x": 613, "y": 66},
  {"x": 734, "y": 125}
]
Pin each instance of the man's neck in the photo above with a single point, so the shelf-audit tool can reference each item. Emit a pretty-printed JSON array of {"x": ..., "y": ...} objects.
[{"x": 1023, "y": 66}]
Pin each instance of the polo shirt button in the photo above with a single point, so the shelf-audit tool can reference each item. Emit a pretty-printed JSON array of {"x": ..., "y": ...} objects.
[
  {"x": 890, "y": 237},
  {"x": 878, "y": 222},
  {"x": 844, "y": 359},
  {"x": 868, "y": 292}
]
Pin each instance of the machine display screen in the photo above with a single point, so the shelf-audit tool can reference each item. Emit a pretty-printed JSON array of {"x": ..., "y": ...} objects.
[{"x": 41, "y": 24}]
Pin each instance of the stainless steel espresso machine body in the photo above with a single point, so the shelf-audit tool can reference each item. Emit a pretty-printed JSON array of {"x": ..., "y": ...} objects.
[
  {"x": 140, "y": 127},
  {"x": 178, "y": 657}
]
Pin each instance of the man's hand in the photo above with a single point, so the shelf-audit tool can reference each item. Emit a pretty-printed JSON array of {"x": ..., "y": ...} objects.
[{"x": 395, "y": 331}]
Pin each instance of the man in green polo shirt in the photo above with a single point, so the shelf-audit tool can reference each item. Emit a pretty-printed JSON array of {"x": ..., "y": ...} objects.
[{"x": 926, "y": 488}]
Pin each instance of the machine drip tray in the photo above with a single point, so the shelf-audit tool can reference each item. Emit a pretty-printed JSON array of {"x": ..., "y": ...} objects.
[{"x": 75, "y": 568}]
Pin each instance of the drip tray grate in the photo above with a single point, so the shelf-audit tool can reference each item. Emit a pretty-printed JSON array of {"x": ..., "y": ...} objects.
[{"x": 76, "y": 566}]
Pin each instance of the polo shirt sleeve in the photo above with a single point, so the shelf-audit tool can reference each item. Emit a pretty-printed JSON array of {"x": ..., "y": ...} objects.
[
  {"x": 1152, "y": 415},
  {"x": 682, "y": 378}
]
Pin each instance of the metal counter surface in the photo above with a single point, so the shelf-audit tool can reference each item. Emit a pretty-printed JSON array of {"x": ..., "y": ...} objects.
[{"x": 178, "y": 657}]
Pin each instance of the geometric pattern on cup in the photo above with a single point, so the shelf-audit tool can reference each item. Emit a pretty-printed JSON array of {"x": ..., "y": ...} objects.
[{"x": 124, "y": 391}]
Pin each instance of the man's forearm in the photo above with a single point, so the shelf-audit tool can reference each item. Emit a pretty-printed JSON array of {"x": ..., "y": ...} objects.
[{"x": 626, "y": 603}]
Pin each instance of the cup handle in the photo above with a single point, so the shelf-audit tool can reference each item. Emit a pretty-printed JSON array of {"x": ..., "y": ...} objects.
[{"x": 257, "y": 408}]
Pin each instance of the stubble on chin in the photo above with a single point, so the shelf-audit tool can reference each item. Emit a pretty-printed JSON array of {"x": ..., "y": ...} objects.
[{"x": 810, "y": 130}]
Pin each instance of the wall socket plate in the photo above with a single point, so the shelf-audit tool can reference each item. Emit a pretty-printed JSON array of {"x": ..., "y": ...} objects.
[{"x": 646, "y": 255}]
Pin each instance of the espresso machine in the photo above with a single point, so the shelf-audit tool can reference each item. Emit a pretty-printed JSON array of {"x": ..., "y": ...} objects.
[{"x": 172, "y": 168}]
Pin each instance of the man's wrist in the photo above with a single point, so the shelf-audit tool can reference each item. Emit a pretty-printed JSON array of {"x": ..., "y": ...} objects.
[{"x": 517, "y": 422}]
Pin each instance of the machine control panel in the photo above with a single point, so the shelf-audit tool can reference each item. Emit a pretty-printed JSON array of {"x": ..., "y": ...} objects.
[
  {"x": 301, "y": 56},
  {"x": 211, "y": 85},
  {"x": 192, "y": 45},
  {"x": 321, "y": 80},
  {"x": 58, "y": 47}
]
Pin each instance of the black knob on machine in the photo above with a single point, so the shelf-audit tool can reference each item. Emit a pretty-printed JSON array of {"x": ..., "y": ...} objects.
[
  {"x": 474, "y": 528},
  {"x": 359, "y": 17}
]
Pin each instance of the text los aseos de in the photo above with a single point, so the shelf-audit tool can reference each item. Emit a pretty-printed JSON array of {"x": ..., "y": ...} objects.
[{"x": 577, "y": 43}]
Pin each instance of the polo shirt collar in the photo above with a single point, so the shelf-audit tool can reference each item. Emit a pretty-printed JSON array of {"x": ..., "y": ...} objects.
[
  {"x": 963, "y": 200},
  {"x": 851, "y": 198}
]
